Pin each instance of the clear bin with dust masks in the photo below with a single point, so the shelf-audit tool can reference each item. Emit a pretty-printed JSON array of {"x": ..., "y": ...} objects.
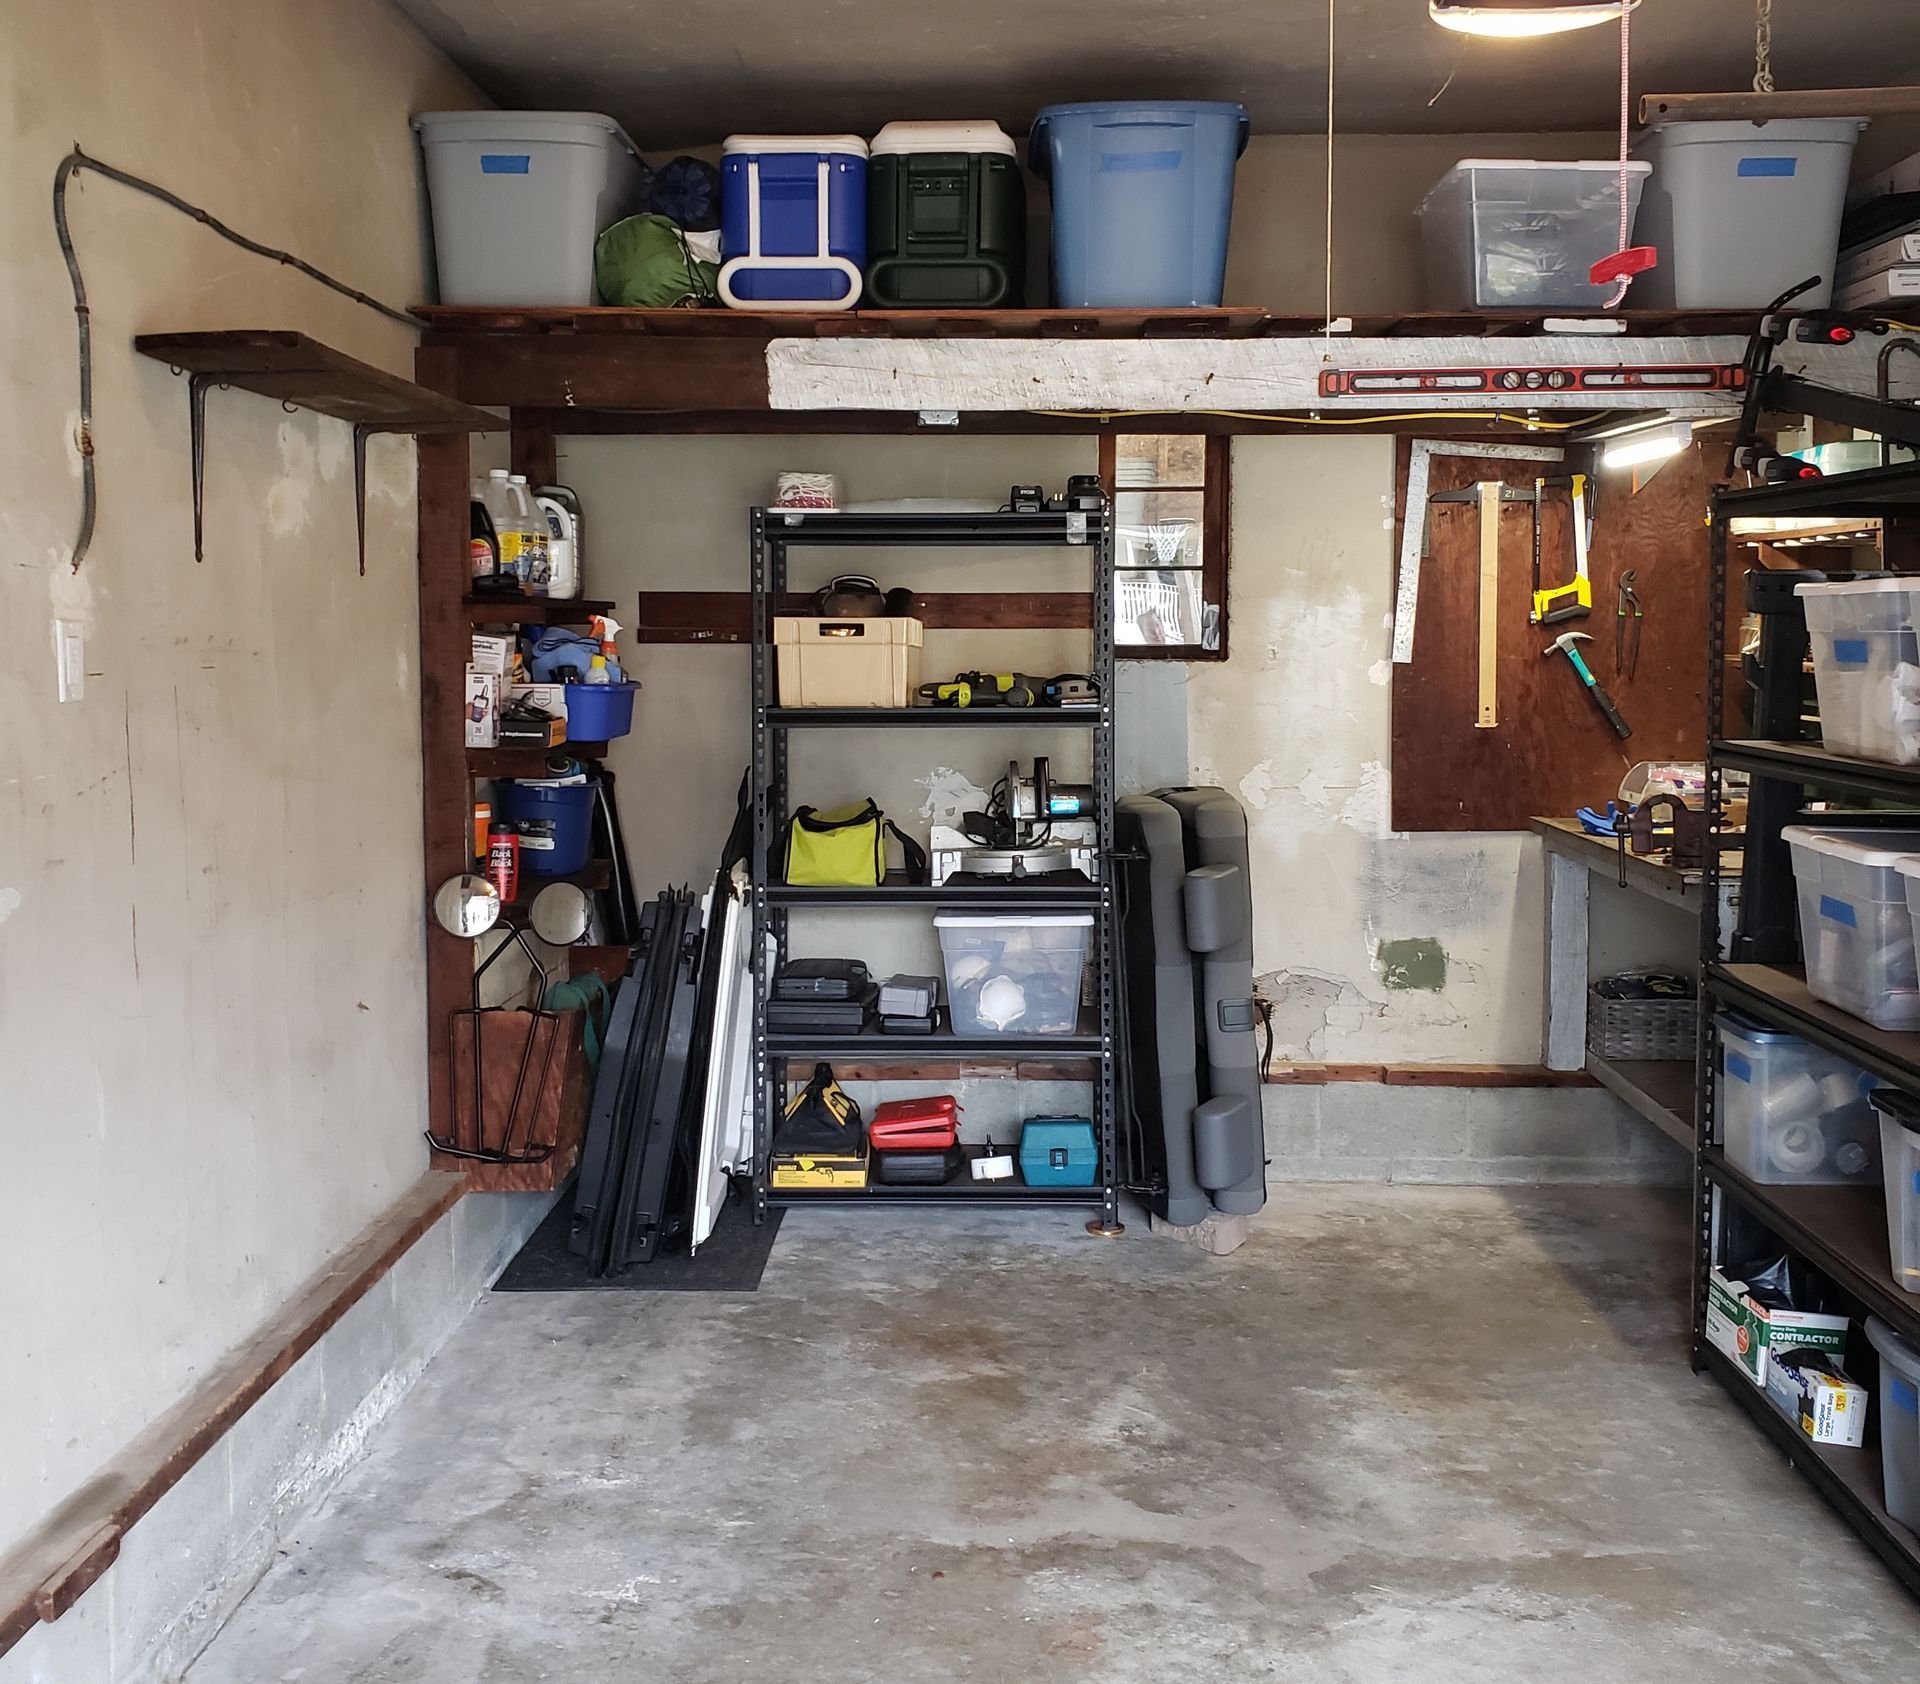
[
  {"x": 1790, "y": 1111},
  {"x": 1014, "y": 973},
  {"x": 1856, "y": 929},
  {"x": 1866, "y": 666}
]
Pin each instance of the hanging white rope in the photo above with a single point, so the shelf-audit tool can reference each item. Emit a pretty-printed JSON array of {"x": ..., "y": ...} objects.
[
  {"x": 1626, "y": 117},
  {"x": 1327, "y": 320},
  {"x": 1763, "y": 46}
]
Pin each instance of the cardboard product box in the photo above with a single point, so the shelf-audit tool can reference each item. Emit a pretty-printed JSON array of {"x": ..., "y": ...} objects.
[
  {"x": 801, "y": 1169},
  {"x": 492, "y": 654},
  {"x": 1810, "y": 1388},
  {"x": 538, "y": 732},
  {"x": 482, "y": 709},
  {"x": 1743, "y": 1330},
  {"x": 552, "y": 698}
]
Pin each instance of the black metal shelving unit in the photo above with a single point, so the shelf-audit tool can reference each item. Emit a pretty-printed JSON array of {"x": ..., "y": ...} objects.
[
  {"x": 1840, "y": 1231},
  {"x": 1088, "y": 534}
]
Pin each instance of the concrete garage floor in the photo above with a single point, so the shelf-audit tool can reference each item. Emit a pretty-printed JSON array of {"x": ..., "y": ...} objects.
[{"x": 1406, "y": 1434}]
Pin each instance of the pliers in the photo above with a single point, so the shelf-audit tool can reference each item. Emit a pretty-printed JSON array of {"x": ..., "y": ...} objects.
[{"x": 1627, "y": 615}]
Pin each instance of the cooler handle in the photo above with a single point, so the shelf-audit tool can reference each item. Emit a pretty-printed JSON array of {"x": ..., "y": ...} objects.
[{"x": 821, "y": 259}]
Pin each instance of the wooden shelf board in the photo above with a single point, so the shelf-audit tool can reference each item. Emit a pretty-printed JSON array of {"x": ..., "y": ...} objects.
[
  {"x": 1235, "y": 322},
  {"x": 533, "y": 610},
  {"x": 298, "y": 369},
  {"x": 526, "y": 762},
  {"x": 1661, "y": 1090}
]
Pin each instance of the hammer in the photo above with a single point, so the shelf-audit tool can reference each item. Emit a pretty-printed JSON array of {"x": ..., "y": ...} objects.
[{"x": 1564, "y": 645}]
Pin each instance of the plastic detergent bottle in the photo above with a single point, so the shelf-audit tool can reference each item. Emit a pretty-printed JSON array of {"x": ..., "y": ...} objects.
[
  {"x": 539, "y": 552},
  {"x": 483, "y": 544},
  {"x": 562, "y": 510},
  {"x": 510, "y": 532}
]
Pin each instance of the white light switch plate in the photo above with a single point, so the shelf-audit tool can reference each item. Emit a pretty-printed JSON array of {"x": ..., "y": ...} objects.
[{"x": 70, "y": 658}]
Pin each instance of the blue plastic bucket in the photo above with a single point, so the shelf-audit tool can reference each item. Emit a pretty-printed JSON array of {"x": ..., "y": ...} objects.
[
  {"x": 598, "y": 712},
  {"x": 1142, "y": 197},
  {"x": 770, "y": 209},
  {"x": 555, "y": 822}
]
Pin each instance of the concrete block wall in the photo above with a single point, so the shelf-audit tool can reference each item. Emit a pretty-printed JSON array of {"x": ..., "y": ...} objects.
[
  {"x": 1367, "y": 1131},
  {"x": 188, "y": 1563}
]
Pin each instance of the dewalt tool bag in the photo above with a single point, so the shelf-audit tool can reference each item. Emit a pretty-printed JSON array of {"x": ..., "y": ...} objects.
[
  {"x": 846, "y": 848},
  {"x": 822, "y": 1119}
]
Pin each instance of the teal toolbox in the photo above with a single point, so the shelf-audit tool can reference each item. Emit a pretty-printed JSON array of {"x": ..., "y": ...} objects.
[{"x": 1058, "y": 1152}]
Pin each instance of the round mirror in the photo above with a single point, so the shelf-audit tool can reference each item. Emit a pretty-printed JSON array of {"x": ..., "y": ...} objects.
[
  {"x": 467, "y": 906},
  {"x": 561, "y": 914}
]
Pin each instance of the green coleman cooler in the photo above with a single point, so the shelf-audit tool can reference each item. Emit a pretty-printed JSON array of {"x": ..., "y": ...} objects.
[{"x": 946, "y": 218}]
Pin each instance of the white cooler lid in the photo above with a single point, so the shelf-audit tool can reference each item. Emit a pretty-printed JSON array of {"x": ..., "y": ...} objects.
[
  {"x": 844, "y": 145},
  {"x": 898, "y": 138},
  {"x": 1858, "y": 846},
  {"x": 1001, "y": 920}
]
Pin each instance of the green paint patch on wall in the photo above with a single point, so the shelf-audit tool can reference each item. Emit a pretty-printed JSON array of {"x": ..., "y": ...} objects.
[{"x": 1419, "y": 962}]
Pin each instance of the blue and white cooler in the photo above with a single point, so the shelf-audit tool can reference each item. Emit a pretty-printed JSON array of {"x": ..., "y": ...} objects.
[{"x": 793, "y": 221}]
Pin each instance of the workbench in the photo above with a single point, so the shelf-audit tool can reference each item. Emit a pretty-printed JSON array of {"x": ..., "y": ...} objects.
[{"x": 1661, "y": 1091}]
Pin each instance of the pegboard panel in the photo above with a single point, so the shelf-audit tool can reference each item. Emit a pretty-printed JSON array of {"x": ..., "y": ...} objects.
[{"x": 1552, "y": 751}]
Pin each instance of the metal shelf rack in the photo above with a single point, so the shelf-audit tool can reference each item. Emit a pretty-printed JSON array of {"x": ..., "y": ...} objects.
[
  {"x": 1086, "y": 533},
  {"x": 1840, "y": 1231}
]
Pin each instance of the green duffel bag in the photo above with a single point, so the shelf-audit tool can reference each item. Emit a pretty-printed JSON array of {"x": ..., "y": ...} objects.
[
  {"x": 643, "y": 262},
  {"x": 846, "y": 848}
]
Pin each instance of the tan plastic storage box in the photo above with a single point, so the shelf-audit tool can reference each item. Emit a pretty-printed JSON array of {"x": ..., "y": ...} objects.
[{"x": 847, "y": 663}]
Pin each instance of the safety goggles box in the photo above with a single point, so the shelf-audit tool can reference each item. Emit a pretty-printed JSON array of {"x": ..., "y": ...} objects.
[
  {"x": 549, "y": 698},
  {"x": 491, "y": 654},
  {"x": 855, "y": 663},
  {"x": 482, "y": 709},
  {"x": 1743, "y": 1329},
  {"x": 1809, "y": 1388}
]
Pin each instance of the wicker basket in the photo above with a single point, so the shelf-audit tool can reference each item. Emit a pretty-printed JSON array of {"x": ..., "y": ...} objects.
[{"x": 1640, "y": 1029}]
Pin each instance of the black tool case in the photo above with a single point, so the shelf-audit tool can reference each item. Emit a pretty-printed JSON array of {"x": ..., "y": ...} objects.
[{"x": 917, "y": 1167}]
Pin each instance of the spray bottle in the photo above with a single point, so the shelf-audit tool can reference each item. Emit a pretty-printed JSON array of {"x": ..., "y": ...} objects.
[{"x": 602, "y": 668}]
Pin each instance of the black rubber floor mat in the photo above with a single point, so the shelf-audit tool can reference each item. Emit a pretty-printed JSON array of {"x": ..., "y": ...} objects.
[{"x": 732, "y": 1260}]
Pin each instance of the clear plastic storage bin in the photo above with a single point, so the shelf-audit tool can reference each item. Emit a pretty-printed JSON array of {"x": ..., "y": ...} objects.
[
  {"x": 1014, "y": 973},
  {"x": 1790, "y": 1111},
  {"x": 1855, "y": 928},
  {"x": 1866, "y": 665},
  {"x": 1899, "y": 1421},
  {"x": 1899, "y": 1115},
  {"x": 1517, "y": 233}
]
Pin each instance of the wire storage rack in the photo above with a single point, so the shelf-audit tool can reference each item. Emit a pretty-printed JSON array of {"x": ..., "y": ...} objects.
[
  {"x": 1087, "y": 534},
  {"x": 1755, "y": 967}
]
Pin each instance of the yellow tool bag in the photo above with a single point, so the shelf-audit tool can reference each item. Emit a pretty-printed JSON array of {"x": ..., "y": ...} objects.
[{"x": 846, "y": 848}]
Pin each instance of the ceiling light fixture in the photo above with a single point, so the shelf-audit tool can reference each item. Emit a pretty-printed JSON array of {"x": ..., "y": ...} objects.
[
  {"x": 1518, "y": 19},
  {"x": 1641, "y": 449}
]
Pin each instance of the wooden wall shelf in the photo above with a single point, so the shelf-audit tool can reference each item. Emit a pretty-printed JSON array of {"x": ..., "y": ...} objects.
[
  {"x": 299, "y": 370},
  {"x": 534, "y": 610}
]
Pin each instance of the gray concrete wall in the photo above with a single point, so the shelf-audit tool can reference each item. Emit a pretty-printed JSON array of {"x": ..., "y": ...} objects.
[
  {"x": 1369, "y": 1131},
  {"x": 212, "y": 1060},
  {"x": 186, "y": 1565}
]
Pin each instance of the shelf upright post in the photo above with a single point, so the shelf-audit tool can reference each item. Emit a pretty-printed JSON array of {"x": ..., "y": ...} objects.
[
  {"x": 1706, "y": 1048},
  {"x": 1106, "y": 1094},
  {"x": 762, "y": 788}
]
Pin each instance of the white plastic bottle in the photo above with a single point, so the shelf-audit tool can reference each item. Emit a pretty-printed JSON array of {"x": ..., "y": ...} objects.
[
  {"x": 561, "y": 509},
  {"x": 539, "y": 551},
  {"x": 508, "y": 527}
]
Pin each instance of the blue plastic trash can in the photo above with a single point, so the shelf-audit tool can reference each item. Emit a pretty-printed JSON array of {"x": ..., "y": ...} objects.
[
  {"x": 1142, "y": 196},
  {"x": 793, "y": 221}
]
